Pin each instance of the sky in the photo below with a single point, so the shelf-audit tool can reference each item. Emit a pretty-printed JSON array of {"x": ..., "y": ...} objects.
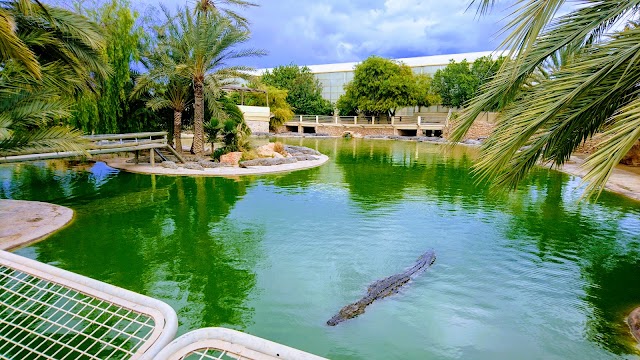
[{"x": 311, "y": 32}]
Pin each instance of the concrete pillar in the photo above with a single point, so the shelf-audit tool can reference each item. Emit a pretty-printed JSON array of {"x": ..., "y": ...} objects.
[
  {"x": 317, "y": 119},
  {"x": 393, "y": 120},
  {"x": 419, "y": 120},
  {"x": 355, "y": 120},
  {"x": 300, "y": 118},
  {"x": 373, "y": 120},
  {"x": 337, "y": 119}
]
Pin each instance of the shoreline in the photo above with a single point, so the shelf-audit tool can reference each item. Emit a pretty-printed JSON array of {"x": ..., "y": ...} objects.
[
  {"x": 624, "y": 180},
  {"x": 23, "y": 223}
]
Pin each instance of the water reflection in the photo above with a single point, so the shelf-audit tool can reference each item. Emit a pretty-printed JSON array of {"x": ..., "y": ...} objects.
[
  {"x": 276, "y": 255},
  {"x": 167, "y": 237}
]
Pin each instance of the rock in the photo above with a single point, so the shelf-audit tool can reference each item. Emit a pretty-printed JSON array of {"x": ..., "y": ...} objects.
[
  {"x": 431, "y": 139},
  {"x": 207, "y": 164},
  {"x": 472, "y": 142},
  {"x": 306, "y": 157},
  {"x": 633, "y": 156},
  {"x": 300, "y": 150},
  {"x": 193, "y": 166},
  {"x": 634, "y": 323},
  {"x": 169, "y": 165},
  {"x": 232, "y": 158},
  {"x": 268, "y": 162}
]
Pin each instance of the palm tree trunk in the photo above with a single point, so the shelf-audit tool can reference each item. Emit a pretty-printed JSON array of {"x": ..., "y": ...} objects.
[
  {"x": 198, "y": 119},
  {"x": 177, "y": 130}
]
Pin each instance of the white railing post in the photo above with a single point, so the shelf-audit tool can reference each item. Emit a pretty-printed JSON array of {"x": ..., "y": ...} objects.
[
  {"x": 317, "y": 119},
  {"x": 300, "y": 118},
  {"x": 393, "y": 120},
  {"x": 337, "y": 119},
  {"x": 373, "y": 120},
  {"x": 355, "y": 120},
  {"x": 419, "y": 120}
]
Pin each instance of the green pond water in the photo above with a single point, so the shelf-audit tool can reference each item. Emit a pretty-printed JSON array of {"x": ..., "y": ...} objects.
[{"x": 528, "y": 275}]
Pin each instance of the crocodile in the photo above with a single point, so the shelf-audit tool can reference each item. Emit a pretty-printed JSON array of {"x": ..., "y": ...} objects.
[{"x": 383, "y": 288}]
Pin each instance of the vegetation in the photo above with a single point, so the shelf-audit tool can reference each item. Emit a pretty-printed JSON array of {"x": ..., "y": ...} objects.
[
  {"x": 457, "y": 83},
  {"x": 49, "y": 57},
  {"x": 304, "y": 92},
  {"x": 228, "y": 125},
  {"x": 546, "y": 118},
  {"x": 379, "y": 87},
  {"x": 200, "y": 45},
  {"x": 281, "y": 110}
]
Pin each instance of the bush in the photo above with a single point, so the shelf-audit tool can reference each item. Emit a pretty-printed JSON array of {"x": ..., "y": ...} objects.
[
  {"x": 249, "y": 155},
  {"x": 279, "y": 148}
]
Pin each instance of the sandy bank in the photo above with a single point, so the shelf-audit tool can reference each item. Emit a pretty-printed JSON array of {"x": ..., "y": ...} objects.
[{"x": 25, "y": 222}]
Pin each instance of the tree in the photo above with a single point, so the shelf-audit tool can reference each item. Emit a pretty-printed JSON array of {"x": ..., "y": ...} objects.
[
  {"x": 380, "y": 86},
  {"x": 35, "y": 97},
  {"x": 200, "y": 45},
  {"x": 304, "y": 92},
  {"x": 425, "y": 94},
  {"x": 105, "y": 110},
  {"x": 459, "y": 82},
  {"x": 214, "y": 6},
  {"x": 546, "y": 120}
]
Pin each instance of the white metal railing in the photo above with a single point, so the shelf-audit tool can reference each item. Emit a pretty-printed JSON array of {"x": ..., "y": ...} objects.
[
  {"x": 50, "y": 313},
  {"x": 221, "y": 343}
]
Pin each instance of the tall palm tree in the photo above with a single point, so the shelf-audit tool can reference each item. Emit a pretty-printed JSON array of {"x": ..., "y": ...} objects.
[
  {"x": 201, "y": 44},
  {"x": 595, "y": 90},
  {"x": 215, "y": 6},
  {"x": 53, "y": 56}
]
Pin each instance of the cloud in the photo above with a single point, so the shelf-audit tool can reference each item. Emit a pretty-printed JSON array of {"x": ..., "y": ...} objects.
[
  {"x": 314, "y": 32},
  {"x": 327, "y": 31}
]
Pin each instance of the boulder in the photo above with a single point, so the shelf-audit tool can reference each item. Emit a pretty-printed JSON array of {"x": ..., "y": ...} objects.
[
  {"x": 633, "y": 156},
  {"x": 169, "y": 165},
  {"x": 232, "y": 158},
  {"x": 306, "y": 157},
  {"x": 268, "y": 162},
  {"x": 207, "y": 164},
  {"x": 193, "y": 166},
  {"x": 268, "y": 151},
  {"x": 300, "y": 150}
]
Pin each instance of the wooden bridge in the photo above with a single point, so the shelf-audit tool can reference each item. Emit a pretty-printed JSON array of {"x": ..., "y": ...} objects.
[{"x": 107, "y": 144}]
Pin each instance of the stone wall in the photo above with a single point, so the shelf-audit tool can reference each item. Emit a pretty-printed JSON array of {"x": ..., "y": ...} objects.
[{"x": 479, "y": 130}]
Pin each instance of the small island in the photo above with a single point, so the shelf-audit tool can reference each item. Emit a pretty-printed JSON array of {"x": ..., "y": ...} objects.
[{"x": 266, "y": 159}]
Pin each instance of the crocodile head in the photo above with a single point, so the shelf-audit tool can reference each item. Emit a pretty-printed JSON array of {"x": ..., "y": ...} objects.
[{"x": 346, "y": 313}]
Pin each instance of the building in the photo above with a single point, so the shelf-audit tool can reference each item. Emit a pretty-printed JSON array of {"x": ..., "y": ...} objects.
[{"x": 333, "y": 77}]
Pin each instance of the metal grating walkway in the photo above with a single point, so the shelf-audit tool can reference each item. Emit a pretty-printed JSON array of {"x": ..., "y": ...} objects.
[{"x": 48, "y": 313}]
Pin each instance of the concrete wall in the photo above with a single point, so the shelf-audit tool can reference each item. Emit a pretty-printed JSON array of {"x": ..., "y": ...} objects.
[{"x": 256, "y": 117}]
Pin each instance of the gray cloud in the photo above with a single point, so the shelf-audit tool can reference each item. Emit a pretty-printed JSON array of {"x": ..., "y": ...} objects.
[{"x": 327, "y": 31}]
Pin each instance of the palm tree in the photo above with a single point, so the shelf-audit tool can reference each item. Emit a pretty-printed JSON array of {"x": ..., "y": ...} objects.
[
  {"x": 51, "y": 56},
  {"x": 167, "y": 90},
  {"x": 214, "y": 6},
  {"x": 201, "y": 45},
  {"x": 547, "y": 117}
]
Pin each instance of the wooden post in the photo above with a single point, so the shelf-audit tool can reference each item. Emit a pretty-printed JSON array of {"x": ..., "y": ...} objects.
[{"x": 152, "y": 157}]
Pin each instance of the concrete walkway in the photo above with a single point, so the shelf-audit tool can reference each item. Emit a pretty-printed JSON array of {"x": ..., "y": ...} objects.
[
  {"x": 25, "y": 222},
  {"x": 622, "y": 181}
]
